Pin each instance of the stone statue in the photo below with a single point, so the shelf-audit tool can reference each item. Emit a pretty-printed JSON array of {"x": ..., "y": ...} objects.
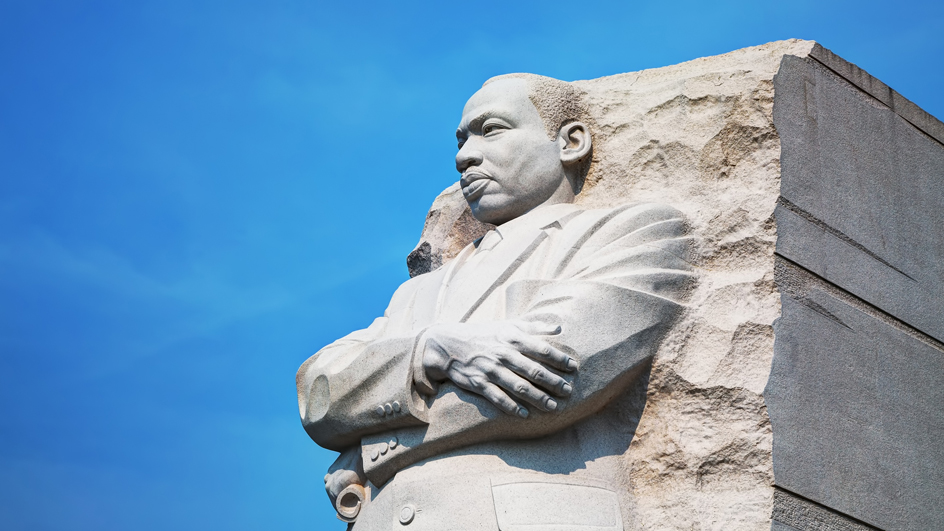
[
  {"x": 554, "y": 365},
  {"x": 499, "y": 390}
]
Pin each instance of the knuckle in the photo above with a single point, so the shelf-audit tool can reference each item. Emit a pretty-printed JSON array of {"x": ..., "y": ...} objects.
[
  {"x": 490, "y": 366},
  {"x": 536, "y": 374}
]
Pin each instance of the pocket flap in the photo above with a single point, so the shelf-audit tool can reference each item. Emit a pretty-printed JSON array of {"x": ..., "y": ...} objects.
[{"x": 534, "y": 506}]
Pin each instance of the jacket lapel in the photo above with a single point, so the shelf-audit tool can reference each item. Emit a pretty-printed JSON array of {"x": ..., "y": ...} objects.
[{"x": 466, "y": 289}]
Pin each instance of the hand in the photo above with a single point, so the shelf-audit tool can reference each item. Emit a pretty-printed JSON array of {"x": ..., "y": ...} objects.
[
  {"x": 501, "y": 360},
  {"x": 348, "y": 469}
]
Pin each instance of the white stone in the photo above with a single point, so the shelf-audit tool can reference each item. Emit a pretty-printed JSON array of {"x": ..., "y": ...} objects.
[
  {"x": 700, "y": 137},
  {"x": 687, "y": 445}
]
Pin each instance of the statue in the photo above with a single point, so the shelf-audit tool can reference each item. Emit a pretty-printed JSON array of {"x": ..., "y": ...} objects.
[{"x": 498, "y": 390}]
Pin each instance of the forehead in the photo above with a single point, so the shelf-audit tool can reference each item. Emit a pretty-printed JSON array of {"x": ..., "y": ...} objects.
[{"x": 506, "y": 98}]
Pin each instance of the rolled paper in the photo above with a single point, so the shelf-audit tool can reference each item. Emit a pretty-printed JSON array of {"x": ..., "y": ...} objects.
[{"x": 349, "y": 502}]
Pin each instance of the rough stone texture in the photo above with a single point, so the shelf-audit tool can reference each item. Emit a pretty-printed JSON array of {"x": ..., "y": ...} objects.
[
  {"x": 700, "y": 137},
  {"x": 448, "y": 229},
  {"x": 792, "y": 513},
  {"x": 833, "y": 196}
]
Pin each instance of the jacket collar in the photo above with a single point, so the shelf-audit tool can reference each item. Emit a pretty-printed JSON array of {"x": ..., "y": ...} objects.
[{"x": 519, "y": 239}]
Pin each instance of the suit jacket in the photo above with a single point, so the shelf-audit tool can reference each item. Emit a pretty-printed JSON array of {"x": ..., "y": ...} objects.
[{"x": 612, "y": 279}]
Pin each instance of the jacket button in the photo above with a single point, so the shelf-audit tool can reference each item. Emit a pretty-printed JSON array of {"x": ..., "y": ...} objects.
[
  {"x": 374, "y": 454},
  {"x": 396, "y": 406},
  {"x": 406, "y": 514},
  {"x": 380, "y": 411},
  {"x": 388, "y": 409},
  {"x": 394, "y": 442},
  {"x": 384, "y": 448}
]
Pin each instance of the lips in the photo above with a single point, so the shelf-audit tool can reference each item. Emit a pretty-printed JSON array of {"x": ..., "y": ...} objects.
[{"x": 473, "y": 184}]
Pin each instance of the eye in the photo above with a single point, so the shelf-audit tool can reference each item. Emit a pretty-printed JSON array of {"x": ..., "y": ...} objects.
[
  {"x": 494, "y": 126},
  {"x": 461, "y": 143}
]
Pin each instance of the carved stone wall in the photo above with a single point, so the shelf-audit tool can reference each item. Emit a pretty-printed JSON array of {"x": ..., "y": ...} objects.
[{"x": 701, "y": 136}]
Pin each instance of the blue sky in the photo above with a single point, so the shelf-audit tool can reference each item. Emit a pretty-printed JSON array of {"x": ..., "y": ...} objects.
[{"x": 196, "y": 196}]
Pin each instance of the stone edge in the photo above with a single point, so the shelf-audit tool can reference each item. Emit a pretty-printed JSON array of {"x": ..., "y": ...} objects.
[
  {"x": 796, "y": 512},
  {"x": 898, "y": 104}
]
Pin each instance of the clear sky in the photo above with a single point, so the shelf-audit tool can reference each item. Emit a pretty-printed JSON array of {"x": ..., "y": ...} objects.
[{"x": 195, "y": 196}]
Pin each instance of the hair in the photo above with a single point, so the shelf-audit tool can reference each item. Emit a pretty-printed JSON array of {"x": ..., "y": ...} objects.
[{"x": 558, "y": 103}]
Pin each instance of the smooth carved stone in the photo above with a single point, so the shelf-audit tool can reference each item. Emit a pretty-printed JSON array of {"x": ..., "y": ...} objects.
[
  {"x": 700, "y": 137},
  {"x": 406, "y": 514},
  {"x": 746, "y": 174}
]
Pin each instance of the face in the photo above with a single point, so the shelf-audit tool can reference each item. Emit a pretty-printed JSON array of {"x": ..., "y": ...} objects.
[{"x": 508, "y": 164}]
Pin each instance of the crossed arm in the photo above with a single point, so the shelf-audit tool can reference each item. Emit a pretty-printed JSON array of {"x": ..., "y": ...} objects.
[
  {"x": 566, "y": 349},
  {"x": 505, "y": 362}
]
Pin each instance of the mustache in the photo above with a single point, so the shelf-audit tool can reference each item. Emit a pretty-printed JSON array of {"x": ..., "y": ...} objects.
[{"x": 473, "y": 174}]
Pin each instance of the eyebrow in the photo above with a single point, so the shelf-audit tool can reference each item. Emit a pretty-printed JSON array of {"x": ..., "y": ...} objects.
[{"x": 476, "y": 123}]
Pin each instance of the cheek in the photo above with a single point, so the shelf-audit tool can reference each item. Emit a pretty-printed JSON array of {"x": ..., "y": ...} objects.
[{"x": 544, "y": 159}]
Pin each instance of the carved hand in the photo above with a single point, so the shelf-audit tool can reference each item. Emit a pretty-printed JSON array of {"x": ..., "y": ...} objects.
[
  {"x": 348, "y": 469},
  {"x": 503, "y": 361}
]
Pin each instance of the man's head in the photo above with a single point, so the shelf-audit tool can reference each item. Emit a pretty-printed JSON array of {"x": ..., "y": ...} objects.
[{"x": 522, "y": 144}]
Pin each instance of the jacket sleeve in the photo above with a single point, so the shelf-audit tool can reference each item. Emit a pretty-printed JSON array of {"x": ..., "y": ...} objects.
[
  {"x": 360, "y": 384},
  {"x": 618, "y": 287}
]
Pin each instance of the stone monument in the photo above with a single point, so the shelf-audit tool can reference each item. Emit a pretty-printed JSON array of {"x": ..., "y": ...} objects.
[{"x": 704, "y": 296}]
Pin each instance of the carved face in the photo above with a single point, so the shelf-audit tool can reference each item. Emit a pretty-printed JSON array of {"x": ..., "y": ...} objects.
[{"x": 508, "y": 164}]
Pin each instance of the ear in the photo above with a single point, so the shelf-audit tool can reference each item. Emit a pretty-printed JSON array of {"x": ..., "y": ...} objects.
[{"x": 574, "y": 141}]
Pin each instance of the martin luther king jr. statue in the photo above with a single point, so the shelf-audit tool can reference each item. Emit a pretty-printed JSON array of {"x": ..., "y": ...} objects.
[{"x": 498, "y": 392}]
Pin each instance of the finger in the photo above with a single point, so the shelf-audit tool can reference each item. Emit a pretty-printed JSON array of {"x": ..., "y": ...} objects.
[
  {"x": 544, "y": 352},
  {"x": 537, "y": 374},
  {"x": 538, "y": 328},
  {"x": 524, "y": 390},
  {"x": 495, "y": 395},
  {"x": 338, "y": 481}
]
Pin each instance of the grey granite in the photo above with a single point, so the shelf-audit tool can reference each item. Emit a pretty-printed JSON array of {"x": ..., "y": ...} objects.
[
  {"x": 855, "y": 400},
  {"x": 857, "y": 380},
  {"x": 807, "y": 203},
  {"x": 793, "y": 513},
  {"x": 895, "y": 102},
  {"x": 862, "y": 194}
]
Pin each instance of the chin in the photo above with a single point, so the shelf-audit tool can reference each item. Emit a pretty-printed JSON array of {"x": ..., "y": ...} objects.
[
  {"x": 489, "y": 210},
  {"x": 496, "y": 210},
  {"x": 485, "y": 215}
]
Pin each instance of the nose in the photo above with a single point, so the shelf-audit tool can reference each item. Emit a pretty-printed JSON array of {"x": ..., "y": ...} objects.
[{"x": 467, "y": 157}]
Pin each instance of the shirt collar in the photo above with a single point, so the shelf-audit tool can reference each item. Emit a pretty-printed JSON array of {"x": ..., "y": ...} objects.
[
  {"x": 538, "y": 218},
  {"x": 541, "y": 217}
]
